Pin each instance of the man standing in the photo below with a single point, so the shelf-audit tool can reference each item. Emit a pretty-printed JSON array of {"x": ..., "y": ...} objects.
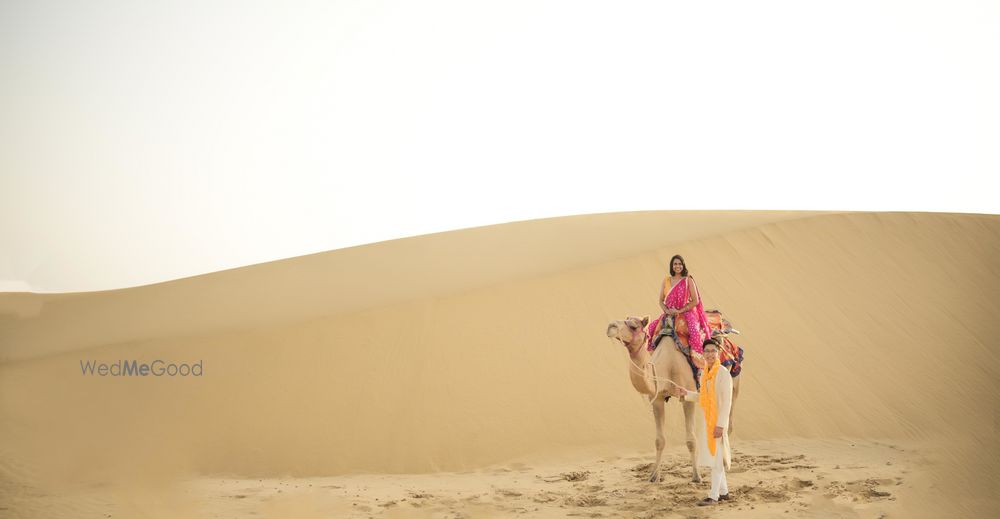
[{"x": 715, "y": 400}]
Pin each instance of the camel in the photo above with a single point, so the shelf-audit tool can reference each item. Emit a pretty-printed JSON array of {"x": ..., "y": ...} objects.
[{"x": 649, "y": 373}]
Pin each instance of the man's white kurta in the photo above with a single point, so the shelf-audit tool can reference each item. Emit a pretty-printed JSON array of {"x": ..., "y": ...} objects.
[{"x": 724, "y": 401}]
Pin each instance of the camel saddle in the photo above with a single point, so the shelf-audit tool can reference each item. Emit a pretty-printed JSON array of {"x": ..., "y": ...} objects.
[{"x": 730, "y": 355}]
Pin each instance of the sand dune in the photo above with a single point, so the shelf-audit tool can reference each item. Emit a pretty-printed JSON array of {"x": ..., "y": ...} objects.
[
  {"x": 453, "y": 353},
  {"x": 347, "y": 280}
]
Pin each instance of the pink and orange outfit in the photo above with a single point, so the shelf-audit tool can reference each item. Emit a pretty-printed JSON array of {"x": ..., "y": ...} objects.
[{"x": 698, "y": 329}]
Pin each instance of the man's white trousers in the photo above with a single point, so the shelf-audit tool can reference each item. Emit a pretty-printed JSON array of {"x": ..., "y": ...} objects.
[{"x": 719, "y": 485}]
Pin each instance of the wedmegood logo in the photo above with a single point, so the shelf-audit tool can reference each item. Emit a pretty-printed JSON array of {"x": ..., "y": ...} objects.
[{"x": 133, "y": 368}]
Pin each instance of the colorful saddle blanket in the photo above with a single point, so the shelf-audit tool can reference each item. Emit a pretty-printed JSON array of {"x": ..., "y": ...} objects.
[{"x": 730, "y": 354}]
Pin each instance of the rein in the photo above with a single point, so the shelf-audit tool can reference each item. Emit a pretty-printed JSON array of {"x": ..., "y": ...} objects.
[{"x": 642, "y": 369}]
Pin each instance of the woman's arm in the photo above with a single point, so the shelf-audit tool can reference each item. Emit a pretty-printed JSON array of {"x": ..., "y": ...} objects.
[
  {"x": 693, "y": 297},
  {"x": 663, "y": 295}
]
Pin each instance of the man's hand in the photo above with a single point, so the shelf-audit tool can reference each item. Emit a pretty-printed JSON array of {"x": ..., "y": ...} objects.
[{"x": 718, "y": 432}]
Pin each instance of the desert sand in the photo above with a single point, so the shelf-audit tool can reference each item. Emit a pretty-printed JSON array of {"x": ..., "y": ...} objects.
[{"x": 467, "y": 374}]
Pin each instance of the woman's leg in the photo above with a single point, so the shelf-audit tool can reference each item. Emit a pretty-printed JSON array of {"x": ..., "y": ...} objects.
[
  {"x": 696, "y": 340},
  {"x": 652, "y": 331}
]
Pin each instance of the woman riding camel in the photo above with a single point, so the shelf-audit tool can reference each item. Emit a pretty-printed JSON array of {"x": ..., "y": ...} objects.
[{"x": 679, "y": 297}]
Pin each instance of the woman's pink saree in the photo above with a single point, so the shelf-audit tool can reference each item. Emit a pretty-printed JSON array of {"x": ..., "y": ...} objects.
[{"x": 695, "y": 319}]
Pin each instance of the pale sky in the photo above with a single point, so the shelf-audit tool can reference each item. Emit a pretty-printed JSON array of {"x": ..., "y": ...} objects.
[{"x": 147, "y": 141}]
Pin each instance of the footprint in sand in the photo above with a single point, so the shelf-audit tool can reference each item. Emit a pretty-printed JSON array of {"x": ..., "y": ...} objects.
[
  {"x": 586, "y": 500},
  {"x": 641, "y": 471},
  {"x": 546, "y": 497},
  {"x": 566, "y": 476},
  {"x": 770, "y": 496},
  {"x": 799, "y": 484},
  {"x": 864, "y": 491},
  {"x": 418, "y": 499}
]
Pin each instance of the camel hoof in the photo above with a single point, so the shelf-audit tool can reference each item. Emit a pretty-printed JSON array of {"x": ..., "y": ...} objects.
[
  {"x": 696, "y": 479},
  {"x": 654, "y": 477}
]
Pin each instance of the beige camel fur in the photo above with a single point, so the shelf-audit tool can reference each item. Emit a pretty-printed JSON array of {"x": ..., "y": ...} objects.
[{"x": 653, "y": 374}]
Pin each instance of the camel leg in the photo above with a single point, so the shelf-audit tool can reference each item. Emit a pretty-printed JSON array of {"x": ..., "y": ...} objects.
[
  {"x": 659, "y": 416},
  {"x": 736, "y": 392},
  {"x": 692, "y": 447}
]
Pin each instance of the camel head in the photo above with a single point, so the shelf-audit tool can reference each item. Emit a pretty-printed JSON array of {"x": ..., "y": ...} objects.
[{"x": 629, "y": 330}]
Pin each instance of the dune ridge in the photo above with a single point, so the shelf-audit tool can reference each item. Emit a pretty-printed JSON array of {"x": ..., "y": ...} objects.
[{"x": 346, "y": 280}]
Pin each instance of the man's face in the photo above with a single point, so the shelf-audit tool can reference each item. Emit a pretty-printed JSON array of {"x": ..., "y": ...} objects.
[{"x": 711, "y": 353}]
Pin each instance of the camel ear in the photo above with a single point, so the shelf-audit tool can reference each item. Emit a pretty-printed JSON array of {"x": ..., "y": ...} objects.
[{"x": 645, "y": 321}]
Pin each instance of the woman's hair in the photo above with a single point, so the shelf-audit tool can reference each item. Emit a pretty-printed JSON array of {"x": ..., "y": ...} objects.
[{"x": 683, "y": 263}]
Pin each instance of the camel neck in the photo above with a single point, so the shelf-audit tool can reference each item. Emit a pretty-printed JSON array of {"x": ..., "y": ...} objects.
[
  {"x": 638, "y": 350},
  {"x": 638, "y": 359}
]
